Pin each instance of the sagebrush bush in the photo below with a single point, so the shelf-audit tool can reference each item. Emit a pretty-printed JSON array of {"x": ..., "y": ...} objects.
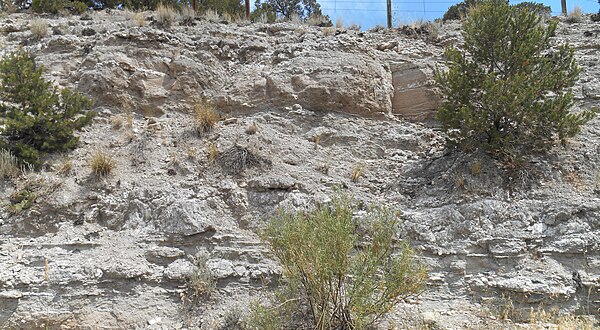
[
  {"x": 35, "y": 117},
  {"x": 201, "y": 281},
  {"x": 508, "y": 91},
  {"x": 349, "y": 272}
]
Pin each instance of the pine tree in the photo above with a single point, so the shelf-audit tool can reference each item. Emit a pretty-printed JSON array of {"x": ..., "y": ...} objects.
[
  {"x": 508, "y": 91},
  {"x": 35, "y": 117}
]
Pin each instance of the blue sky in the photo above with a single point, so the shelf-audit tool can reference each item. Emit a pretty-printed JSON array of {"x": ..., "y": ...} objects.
[{"x": 369, "y": 13}]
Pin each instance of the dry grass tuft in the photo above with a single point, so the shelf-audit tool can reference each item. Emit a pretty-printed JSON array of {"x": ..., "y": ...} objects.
[
  {"x": 137, "y": 18},
  {"x": 328, "y": 31},
  {"x": 39, "y": 28},
  {"x": 116, "y": 122},
  {"x": 205, "y": 117},
  {"x": 252, "y": 129},
  {"x": 576, "y": 15},
  {"x": 339, "y": 23},
  {"x": 9, "y": 165},
  {"x": 102, "y": 164},
  {"x": 212, "y": 16},
  {"x": 65, "y": 167},
  {"x": 8, "y": 6},
  {"x": 166, "y": 15},
  {"x": 358, "y": 171},
  {"x": 187, "y": 16},
  {"x": 476, "y": 168},
  {"x": 212, "y": 152}
]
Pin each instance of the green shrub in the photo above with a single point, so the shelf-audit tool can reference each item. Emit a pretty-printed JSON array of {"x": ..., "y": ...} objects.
[
  {"x": 508, "y": 92},
  {"x": 146, "y": 4},
  {"x": 538, "y": 8},
  {"x": 234, "y": 8},
  {"x": 79, "y": 7},
  {"x": 349, "y": 272},
  {"x": 47, "y": 6},
  {"x": 459, "y": 10},
  {"x": 35, "y": 117},
  {"x": 304, "y": 9}
]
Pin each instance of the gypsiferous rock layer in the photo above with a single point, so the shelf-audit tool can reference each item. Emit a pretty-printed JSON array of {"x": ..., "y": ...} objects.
[{"x": 119, "y": 251}]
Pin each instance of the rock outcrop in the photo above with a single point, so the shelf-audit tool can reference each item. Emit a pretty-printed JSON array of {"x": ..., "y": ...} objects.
[{"x": 119, "y": 251}]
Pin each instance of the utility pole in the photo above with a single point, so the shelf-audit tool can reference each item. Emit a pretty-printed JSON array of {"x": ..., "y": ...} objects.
[
  {"x": 248, "y": 9},
  {"x": 389, "y": 13},
  {"x": 563, "y": 5}
]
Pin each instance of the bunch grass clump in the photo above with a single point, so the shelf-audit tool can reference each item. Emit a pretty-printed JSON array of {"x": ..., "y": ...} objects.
[
  {"x": 137, "y": 18},
  {"x": 206, "y": 117},
  {"x": 102, "y": 164},
  {"x": 39, "y": 28},
  {"x": 9, "y": 165},
  {"x": 166, "y": 15},
  {"x": 576, "y": 15}
]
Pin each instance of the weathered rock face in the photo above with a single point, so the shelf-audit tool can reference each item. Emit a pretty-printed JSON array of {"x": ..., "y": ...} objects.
[
  {"x": 249, "y": 67},
  {"x": 413, "y": 97},
  {"x": 119, "y": 251}
]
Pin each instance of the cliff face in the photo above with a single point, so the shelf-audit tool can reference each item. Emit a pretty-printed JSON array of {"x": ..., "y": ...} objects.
[{"x": 117, "y": 252}]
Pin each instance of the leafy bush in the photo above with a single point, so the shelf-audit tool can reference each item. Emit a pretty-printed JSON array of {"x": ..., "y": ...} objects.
[
  {"x": 508, "y": 92},
  {"x": 349, "y": 272},
  {"x": 47, "y": 6},
  {"x": 79, "y": 7},
  {"x": 35, "y": 117},
  {"x": 287, "y": 9}
]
